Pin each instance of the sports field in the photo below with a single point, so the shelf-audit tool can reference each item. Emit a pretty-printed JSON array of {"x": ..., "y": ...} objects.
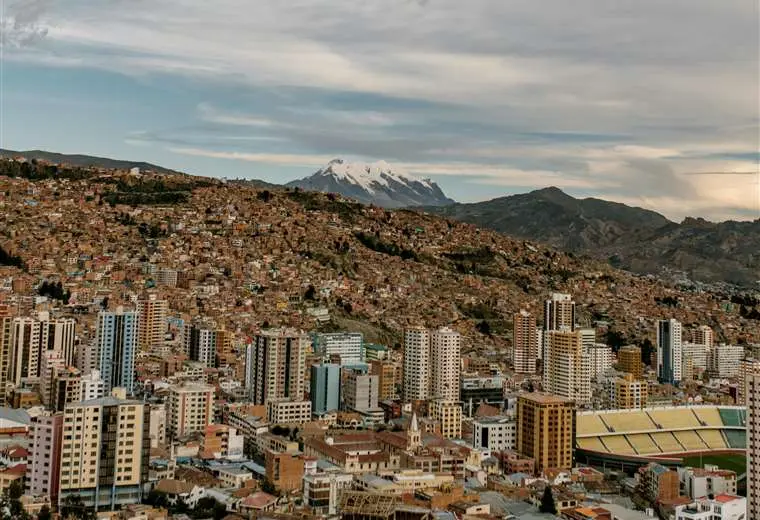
[{"x": 733, "y": 462}]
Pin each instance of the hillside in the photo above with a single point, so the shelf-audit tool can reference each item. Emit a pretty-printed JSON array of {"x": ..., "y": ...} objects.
[
  {"x": 85, "y": 161},
  {"x": 631, "y": 238},
  {"x": 253, "y": 257}
]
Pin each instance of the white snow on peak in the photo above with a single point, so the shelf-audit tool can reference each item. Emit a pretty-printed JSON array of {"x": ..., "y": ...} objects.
[{"x": 366, "y": 175}]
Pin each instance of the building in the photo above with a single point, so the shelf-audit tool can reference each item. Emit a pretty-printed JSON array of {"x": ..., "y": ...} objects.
[
  {"x": 659, "y": 483},
  {"x": 286, "y": 411},
  {"x": 347, "y": 346},
  {"x": 323, "y": 485},
  {"x": 43, "y": 469},
  {"x": 703, "y": 335},
  {"x": 697, "y": 353},
  {"x": 6, "y": 348},
  {"x": 325, "y": 388},
  {"x": 525, "y": 343},
  {"x": 567, "y": 370},
  {"x": 546, "y": 430},
  {"x": 360, "y": 391},
  {"x": 559, "y": 312},
  {"x": 92, "y": 386},
  {"x": 629, "y": 360},
  {"x": 722, "y": 507},
  {"x": 669, "y": 343},
  {"x": 51, "y": 365},
  {"x": 152, "y": 314},
  {"x": 449, "y": 415},
  {"x": 753, "y": 445},
  {"x": 710, "y": 481},
  {"x": 220, "y": 441},
  {"x": 284, "y": 470},
  {"x": 723, "y": 360},
  {"x": 476, "y": 390},
  {"x": 628, "y": 393},
  {"x": 201, "y": 342},
  {"x": 601, "y": 358},
  {"x": 416, "y": 384},
  {"x": 189, "y": 409},
  {"x": 494, "y": 433},
  {"x": 386, "y": 374},
  {"x": 116, "y": 348},
  {"x": 445, "y": 362},
  {"x": 375, "y": 352},
  {"x": 275, "y": 365},
  {"x": 31, "y": 337},
  {"x": 157, "y": 425},
  {"x": 108, "y": 465},
  {"x": 747, "y": 367}
]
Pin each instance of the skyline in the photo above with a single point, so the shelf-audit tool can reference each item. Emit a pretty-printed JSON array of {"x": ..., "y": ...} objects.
[{"x": 627, "y": 102}]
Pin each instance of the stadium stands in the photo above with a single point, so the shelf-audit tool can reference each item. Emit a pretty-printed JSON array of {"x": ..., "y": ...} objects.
[
  {"x": 709, "y": 416},
  {"x": 690, "y": 440},
  {"x": 667, "y": 443},
  {"x": 592, "y": 443},
  {"x": 628, "y": 421},
  {"x": 737, "y": 439},
  {"x": 674, "y": 418},
  {"x": 591, "y": 424},
  {"x": 733, "y": 417},
  {"x": 643, "y": 444},
  {"x": 618, "y": 444},
  {"x": 713, "y": 438}
]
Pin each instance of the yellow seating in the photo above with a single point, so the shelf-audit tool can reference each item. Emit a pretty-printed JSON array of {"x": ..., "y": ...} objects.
[
  {"x": 713, "y": 438},
  {"x": 674, "y": 418},
  {"x": 643, "y": 444},
  {"x": 592, "y": 443},
  {"x": 618, "y": 444},
  {"x": 589, "y": 424},
  {"x": 710, "y": 416},
  {"x": 666, "y": 442},
  {"x": 629, "y": 421},
  {"x": 690, "y": 440}
]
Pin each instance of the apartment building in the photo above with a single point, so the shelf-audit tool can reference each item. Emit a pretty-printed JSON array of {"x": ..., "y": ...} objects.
[
  {"x": 567, "y": 369},
  {"x": 525, "y": 343},
  {"x": 386, "y": 375},
  {"x": 449, "y": 415},
  {"x": 628, "y": 392},
  {"x": 629, "y": 360},
  {"x": 346, "y": 346},
  {"x": 275, "y": 365},
  {"x": 152, "y": 313},
  {"x": 723, "y": 360},
  {"x": 546, "y": 430},
  {"x": 43, "y": 468},
  {"x": 445, "y": 363},
  {"x": 189, "y": 409},
  {"x": 494, "y": 433},
  {"x": 116, "y": 347},
  {"x": 324, "y": 389},
  {"x": 416, "y": 381},
  {"x": 669, "y": 351},
  {"x": 753, "y": 445},
  {"x": 360, "y": 391}
]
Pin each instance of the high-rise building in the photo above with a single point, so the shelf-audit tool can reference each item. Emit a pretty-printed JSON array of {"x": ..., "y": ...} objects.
[
  {"x": 43, "y": 469},
  {"x": 567, "y": 370},
  {"x": 445, "y": 348},
  {"x": 190, "y": 408},
  {"x": 494, "y": 433},
  {"x": 747, "y": 367},
  {"x": 325, "y": 388},
  {"x": 33, "y": 336},
  {"x": 6, "y": 342},
  {"x": 276, "y": 364},
  {"x": 116, "y": 348},
  {"x": 348, "y": 346},
  {"x": 416, "y": 364},
  {"x": 202, "y": 344},
  {"x": 449, "y": 415},
  {"x": 600, "y": 357},
  {"x": 52, "y": 364},
  {"x": 559, "y": 312},
  {"x": 105, "y": 451},
  {"x": 669, "y": 343},
  {"x": 629, "y": 360},
  {"x": 386, "y": 373},
  {"x": 696, "y": 352},
  {"x": 753, "y": 445},
  {"x": 723, "y": 360},
  {"x": 360, "y": 391},
  {"x": 546, "y": 430},
  {"x": 627, "y": 392},
  {"x": 703, "y": 335},
  {"x": 525, "y": 343},
  {"x": 153, "y": 313}
]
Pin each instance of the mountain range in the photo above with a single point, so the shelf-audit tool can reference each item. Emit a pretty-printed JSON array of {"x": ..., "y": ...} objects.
[{"x": 630, "y": 238}]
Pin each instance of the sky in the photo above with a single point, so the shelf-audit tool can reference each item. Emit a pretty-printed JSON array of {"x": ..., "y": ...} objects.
[{"x": 654, "y": 103}]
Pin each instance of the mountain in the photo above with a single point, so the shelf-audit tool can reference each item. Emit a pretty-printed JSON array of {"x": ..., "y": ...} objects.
[
  {"x": 84, "y": 161},
  {"x": 631, "y": 238},
  {"x": 374, "y": 183}
]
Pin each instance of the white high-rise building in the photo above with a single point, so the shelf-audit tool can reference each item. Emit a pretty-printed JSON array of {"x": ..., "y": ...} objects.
[
  {"x": 567, "y": 368},
  {"x": 276, "y": 365},
  {"x": 416, "y": 364},
  {"x": 697, "y": 352},
  {"x": 747, "y": 367},
  {"x": 116, "y": 348},
  {"x": 723, "y": 360},
  {"x": 753, "y": 445},
  {"x": 30, "y": 337},
  {"x": 669, "y": 351},
  {"x": 703, "y": 335},
  {"x": 92, "y": 386},
  {"x": 559, "y": 312},
  {"x": 526, "y": 345},
  {"x": 445, "y": 348},
  {"x": 190, "y": 408},
  {"x": 348, "y": 346},
  {"x": 600, "y": 357},
  {"x": 360, "y": 391}
]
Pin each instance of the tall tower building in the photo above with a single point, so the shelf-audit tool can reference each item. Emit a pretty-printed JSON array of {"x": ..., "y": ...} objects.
[
  {"x": 52, "y": 364},
  {"x": 325, "y": 388},
  {"x": 276, "y": 364},
  {"x": 669, "y": 344},
  {"x": 629, "y": 360},
  {"x": 105, "y": 452},
  {"x": 525, "y": 343},
  {"x": 386, "y": 373},
  {"x": 33, "y": 336},
  {"x": 202, "y": 345},
  {"x": 153, "y": 313},
  {"x": 416, "y": 364},
  {"x": 703, "y": 335},
  {"x": 190, "y": 409},
  {"x": 559, "y": 312},
  {"x": 747, "y": 367},
  {"x": 116, "y": 347},
  {"x": 6, "y": 343},
  {"x": 546, "y": 430},
  {"x": 43, "y": 470},
  {"x": 445, "y": 361},
  {"x": 348, "y": 346},
  {"x": 361, "y": 391},
  {"x": 567, "y": 370},
  {"x": 753, "y": 445}
]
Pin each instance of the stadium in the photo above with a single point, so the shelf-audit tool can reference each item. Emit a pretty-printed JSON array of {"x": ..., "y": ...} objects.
[{"x": 628, "y": 439}]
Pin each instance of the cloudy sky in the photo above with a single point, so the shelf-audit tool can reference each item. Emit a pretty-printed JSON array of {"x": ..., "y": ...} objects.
[{"x": 649, "y": 102}]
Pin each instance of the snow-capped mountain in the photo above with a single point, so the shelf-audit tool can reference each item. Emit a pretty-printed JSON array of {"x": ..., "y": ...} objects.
[{"x": 374, "y": 183}]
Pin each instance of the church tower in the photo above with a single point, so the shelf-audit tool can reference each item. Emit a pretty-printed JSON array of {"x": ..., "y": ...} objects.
[{"x": 413, "y": 436}]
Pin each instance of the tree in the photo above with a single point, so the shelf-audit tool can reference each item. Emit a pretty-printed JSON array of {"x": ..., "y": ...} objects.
[
  {"x": 268, "y": 487},
  {"x": 73, "y": 506},
  {"x": 44, "y": 513},
  {"x": 547, "y": 502}
]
